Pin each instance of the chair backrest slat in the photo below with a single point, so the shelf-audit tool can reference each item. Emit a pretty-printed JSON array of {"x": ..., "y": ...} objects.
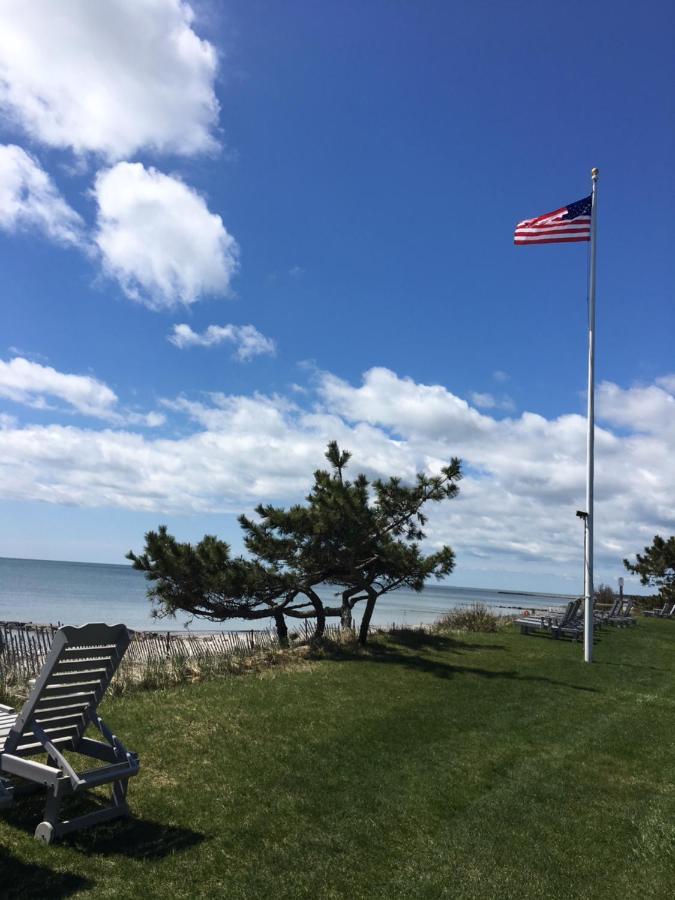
[
  {"x": 65, "y": 733},
  {"x": 568, "y": 612},
  {"x": 72, "y": 682},
  {"x": 572, "y": 611},
  {"x": 68, "y": 698}
]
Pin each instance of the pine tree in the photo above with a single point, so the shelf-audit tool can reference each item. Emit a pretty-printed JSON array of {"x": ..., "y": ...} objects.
[
  {"x": 363, "y": 539},
  {"x": 656, "y": 566}
]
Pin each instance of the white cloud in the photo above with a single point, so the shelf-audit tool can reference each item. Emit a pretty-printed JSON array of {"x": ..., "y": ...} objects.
[
  {"x": 111, "y": 78},
  {"x": 500, "y": 375},
  {"x": 30, "y": 383},
  {"x": 30, "y": 200},
  {"x": 483, "y": 401},
  {"x": 400, "y": 403},
  {"x": 489, "y": 401},
  {"x": 248, "y": 341},
  {"x": 667, "y": 382},
  {"x": 525, "y": 476},
  {"x": 649, "y": 409},
  {"x": 158, "y": 239},
  {"x": 37, "y": 386}
]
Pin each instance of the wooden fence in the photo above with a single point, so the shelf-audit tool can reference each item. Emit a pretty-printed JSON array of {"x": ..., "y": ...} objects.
[
  {"x": 23, "y": 649},
  {"x": 24, "y": 646}
]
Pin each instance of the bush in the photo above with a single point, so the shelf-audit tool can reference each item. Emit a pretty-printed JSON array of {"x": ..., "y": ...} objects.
[
  {"x": 158, "y": 674},
  {"x": 478, "y": 617},
  {"x": 604, "y": 595}
]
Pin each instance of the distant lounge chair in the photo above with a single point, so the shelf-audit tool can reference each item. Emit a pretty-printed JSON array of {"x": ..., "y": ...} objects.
[
  {"x": 624, "y": 617},
  {"x": 663, "y": 612},
  {"x": 61, "y": 706},
  {"x": 603, "y": 615},
  {"x": 550, "y": 623},
  {"x": 573, "y": 625}
]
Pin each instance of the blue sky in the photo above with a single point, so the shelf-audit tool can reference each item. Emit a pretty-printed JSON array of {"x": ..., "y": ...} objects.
[{"x": 332, "y": 189}]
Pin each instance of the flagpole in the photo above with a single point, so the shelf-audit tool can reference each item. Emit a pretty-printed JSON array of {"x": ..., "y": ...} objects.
[{"x": 590, "y": 441}]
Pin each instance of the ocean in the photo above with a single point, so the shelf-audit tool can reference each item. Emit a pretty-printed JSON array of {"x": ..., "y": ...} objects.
[{"x": 43, "y": 591}]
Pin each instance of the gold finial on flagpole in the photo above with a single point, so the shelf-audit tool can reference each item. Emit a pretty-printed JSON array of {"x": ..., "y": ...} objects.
[{"x": 595, "y": 173}]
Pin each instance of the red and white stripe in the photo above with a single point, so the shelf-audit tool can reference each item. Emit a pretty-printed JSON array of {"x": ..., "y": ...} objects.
[{"x": 551, "y": 228}]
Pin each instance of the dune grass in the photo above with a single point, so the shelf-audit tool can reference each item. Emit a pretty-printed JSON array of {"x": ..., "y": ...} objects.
[{"x": 468, "y": 766}]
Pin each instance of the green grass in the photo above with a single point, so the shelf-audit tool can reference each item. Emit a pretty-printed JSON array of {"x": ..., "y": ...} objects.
[{"x": 469, "y": 766}]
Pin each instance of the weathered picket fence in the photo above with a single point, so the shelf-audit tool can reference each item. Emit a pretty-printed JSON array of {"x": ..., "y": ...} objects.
[
  {"x": 24, "y": 646},
  {"x": 23, "y": 649}
]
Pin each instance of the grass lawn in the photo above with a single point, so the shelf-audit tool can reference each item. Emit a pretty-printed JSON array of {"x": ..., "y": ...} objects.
[{"x": 489, "y": 766}]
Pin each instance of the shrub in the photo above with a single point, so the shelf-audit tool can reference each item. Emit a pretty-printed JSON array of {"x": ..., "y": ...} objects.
[
  {"x": 158, "y": 674},
  {"x": 478, "y": 617},
  {"x": 604, "y": 594}
]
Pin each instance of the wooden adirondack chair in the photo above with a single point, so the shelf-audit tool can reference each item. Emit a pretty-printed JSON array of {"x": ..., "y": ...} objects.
[{"x": 62, "y": 704}]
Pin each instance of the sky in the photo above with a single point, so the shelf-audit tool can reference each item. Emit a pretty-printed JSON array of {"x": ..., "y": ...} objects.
[{"x": 233, "y": 231}]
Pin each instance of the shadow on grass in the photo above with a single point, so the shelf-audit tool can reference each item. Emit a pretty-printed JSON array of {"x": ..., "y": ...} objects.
[
  {"x": 132, "y": 837},
  {"x": 424, "y": 640},
  {"x": 135, "y": 838},
  {"x": 385, "y": 653},
  {"x": 543, "y": 634},
  {"x": 25, "y": 880},
  {"x": 628, "y": 665}
]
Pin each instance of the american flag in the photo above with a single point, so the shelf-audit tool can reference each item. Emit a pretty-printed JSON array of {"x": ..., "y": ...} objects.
[{"x": 564, "y": 226}]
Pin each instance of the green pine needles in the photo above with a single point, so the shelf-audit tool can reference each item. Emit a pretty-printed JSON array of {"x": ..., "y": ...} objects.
[
  {"x": 656, "y": 566},
  {"x": 362, "y": 538}
]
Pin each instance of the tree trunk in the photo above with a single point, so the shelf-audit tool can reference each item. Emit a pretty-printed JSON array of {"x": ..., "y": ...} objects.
[
  {"x": 282, "y": 629},
  {"x": 346, "y": 620},
  {"x": 320, "y": 623},
  {"x": 320, "y": 615},
  {"x": 367, "y": 615}
]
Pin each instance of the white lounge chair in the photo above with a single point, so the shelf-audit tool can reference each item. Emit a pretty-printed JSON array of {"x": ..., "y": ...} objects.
[
  {"x": 552, "y": 622},
  {"x": 62, "y": 704}
]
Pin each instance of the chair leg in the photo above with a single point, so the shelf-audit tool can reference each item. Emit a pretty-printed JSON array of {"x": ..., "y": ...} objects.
[
  {"x": 47, "y": 829},
  {"x": 52, "y": 827},
  {"x": 6, "y": 793},
  {"x": 119, "y": 792}
]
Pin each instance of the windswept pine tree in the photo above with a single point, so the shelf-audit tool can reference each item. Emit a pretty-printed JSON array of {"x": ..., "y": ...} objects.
[
  {"x": 656, "y": 566},
  {"x": 364, "y": 539}
]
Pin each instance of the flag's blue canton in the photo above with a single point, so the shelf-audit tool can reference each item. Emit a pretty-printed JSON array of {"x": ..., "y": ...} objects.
[{"x": 580, "y": 208}]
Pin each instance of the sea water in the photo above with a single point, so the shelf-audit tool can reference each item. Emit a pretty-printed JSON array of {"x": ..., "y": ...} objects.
[{"x": 44, "y": 591}]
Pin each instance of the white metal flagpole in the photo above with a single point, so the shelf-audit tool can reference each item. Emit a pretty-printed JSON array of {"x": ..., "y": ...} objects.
[{"x": 590, "y": 442}]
